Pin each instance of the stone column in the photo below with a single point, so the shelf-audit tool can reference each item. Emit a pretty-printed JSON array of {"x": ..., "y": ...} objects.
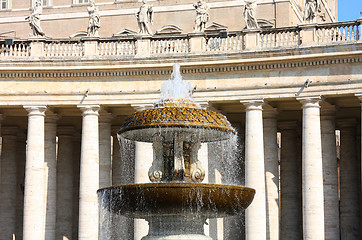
[
  {"x": 105, "y": 162},
  {"x": 255, "y": 222},
  {"x": 64, "y": 191},
  {"x": 349, "y": 173},
  {"x": 312, "y": 171},
  {"x": 76, "y": 173},
  {"x": 34, "y": 206},
  {"x": 290, "y": 183},
  {"x": 143, "y": 161},
  {"x": 8, "y": 183},
  {"x": 50, "y": 174},
  {"x": 330, "y": 173},
  {"x": 20, "y": 172},
  {"x": 271, "y": 173},
  {"x": 89, "y": 174}
]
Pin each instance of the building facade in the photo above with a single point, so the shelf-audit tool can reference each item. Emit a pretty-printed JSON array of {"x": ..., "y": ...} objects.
[{"x": 291, "y": 88}]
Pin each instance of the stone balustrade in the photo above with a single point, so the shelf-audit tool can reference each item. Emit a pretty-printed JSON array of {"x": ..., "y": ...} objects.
[{"x": 216, "y": 42}]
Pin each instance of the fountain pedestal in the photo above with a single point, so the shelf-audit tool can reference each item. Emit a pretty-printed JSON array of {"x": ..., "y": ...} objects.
[{"x": 176, "y": 227}]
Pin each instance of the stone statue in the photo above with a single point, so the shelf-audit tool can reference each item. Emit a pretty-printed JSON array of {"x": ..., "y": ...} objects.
[
  {"x": 250, "y": 14},
  {"x": 310, "y": 11},
  {"x": 202, "y": 15},
  {"x": 34, "y": 19},
  {"x": 144, "y": 17},
  {"x": 94, "y": 20}
]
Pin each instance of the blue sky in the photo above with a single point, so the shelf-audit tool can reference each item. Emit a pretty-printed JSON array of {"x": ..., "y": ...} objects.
[{"x": 349, "y": 9}]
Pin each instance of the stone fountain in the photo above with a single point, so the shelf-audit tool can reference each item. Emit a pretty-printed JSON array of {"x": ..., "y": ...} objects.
[{"x": 176, "y": 203}]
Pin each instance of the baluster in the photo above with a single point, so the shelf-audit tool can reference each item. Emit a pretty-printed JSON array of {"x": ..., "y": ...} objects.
[
  {"x": 266, "y": 36},
  {"x": 155, "y": 47},
  {"x": 74, "y": 49},
  {"x": 160, "y": 46},
  {"x": 211, "y": 44},
  {"x": 267, "y": 40},
  {"x": 67, "y": 49},
  {"x": 61, "y": 49},
  {"x": 118, "y": 48},
  {"x": 353, "y": 33},
  {"x": 106, "y": 48}
]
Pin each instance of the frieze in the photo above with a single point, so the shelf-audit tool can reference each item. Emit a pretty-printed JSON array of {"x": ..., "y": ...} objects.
[{"x": 186, "y": 70}]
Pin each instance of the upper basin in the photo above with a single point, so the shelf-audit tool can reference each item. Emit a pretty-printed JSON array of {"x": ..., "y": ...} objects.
[{"x": 176, "y": 115}]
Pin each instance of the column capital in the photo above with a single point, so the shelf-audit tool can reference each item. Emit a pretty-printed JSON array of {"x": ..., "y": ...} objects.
[
  {"x": 253, "y": 104},
  {"x": 89, "y": 109},
  {"x": 270, "y": 113},
  {"x": 287, "y": 125},
  {"x": 35, "y": 110},
  {"x": 310, "y": 101},
  {"x": 65, "y": 130}
]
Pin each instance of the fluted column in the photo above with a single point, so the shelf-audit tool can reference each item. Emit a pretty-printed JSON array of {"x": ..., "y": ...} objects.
[
  {"x": 290, "y": 182},
  {"x": 64, "y": 191},
  {"x": 50, "y": 175},
  {"x": 89, "y": 174},
  {"x": 349, "y": 173},
  {"x": 312, "y": 171},
  {"x": 34, "y": 206},
  {"x": 255, "y": 223},
  {"x": 8, "y": 183},
  {"x": 105, "y": 162},
  {"x": 330, "y": 173}
]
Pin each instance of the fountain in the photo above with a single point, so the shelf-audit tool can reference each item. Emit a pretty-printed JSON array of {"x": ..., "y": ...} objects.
[{"x": 176, "y": 203}]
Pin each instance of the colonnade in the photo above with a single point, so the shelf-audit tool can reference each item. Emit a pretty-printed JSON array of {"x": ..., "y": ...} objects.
[{"x": 300, "y": 198}]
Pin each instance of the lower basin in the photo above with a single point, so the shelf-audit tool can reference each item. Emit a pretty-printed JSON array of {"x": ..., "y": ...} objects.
[{"x": 199, "y": 200}]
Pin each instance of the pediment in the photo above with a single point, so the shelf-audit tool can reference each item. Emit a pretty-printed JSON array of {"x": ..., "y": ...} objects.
[
  {"x": 215, "y": 27},
  {"x": 79, "y": 34},
  {"x": 262, "y": 23},
  {"x": 169, "y": 29},
  {"x": 125, "y": 32}
]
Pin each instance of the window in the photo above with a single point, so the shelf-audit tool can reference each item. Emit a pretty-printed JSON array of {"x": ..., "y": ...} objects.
[
  {"x": 44, "y": 3},
  {"x": 4, "y": 4},
  {"x": 47, "y": 3},
  {"x": 80, "y": 1}
]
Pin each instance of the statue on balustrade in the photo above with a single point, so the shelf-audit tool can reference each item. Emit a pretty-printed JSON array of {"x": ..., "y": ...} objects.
[
  {"x": 250, "y": 14},
  {"x": 94, "y": 20},
  {"x": 144, "y": 17},
  {"x": 310, "y": 11},
  {"x": 34, "y": 19},
  {"x": 202, "y": 15}
]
